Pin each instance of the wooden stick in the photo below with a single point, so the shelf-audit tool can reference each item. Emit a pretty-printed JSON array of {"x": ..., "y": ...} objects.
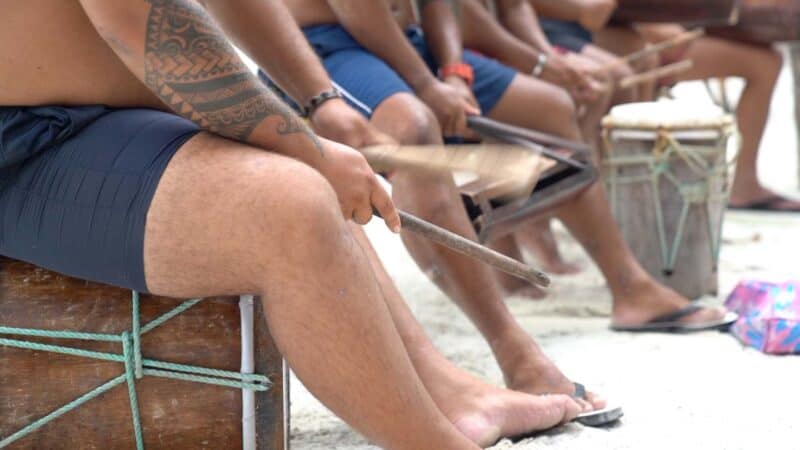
[
  {"x": 474, "y": 250},
  {"x": 657, "y": 48},
  {"x": 655, "y": 74}
]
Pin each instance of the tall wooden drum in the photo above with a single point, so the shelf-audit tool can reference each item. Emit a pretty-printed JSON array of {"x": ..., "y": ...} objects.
[
  {"x": 665, "y": 166},
  {"x": 202, "y": 374}
]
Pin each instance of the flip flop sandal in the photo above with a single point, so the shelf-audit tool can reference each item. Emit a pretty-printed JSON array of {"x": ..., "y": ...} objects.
[
  {"x": 597, "y": 418},
  {"x": 769, "y": 204},
  {"x": 671, "y": 323}
]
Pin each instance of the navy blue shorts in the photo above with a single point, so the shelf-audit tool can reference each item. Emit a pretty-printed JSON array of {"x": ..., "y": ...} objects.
[
  {"x": 76, "y": 184},
  {"x": 569, "y": 35},
  {"x": 366, "y": 81}
]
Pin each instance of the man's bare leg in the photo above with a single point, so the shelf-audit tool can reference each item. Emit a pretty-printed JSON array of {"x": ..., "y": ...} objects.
[
  {"x": 471, "y": 284},
  {"x": 637, "y": 296},
  {"x": 261, "y": 223},
  {"x": 760, "y": 67},
  {"x": 561, "y": 119},
  {"x": 481, "y": 411}
]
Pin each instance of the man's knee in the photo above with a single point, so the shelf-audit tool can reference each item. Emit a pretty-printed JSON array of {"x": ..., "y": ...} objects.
[{"x": 407, "y": 119}]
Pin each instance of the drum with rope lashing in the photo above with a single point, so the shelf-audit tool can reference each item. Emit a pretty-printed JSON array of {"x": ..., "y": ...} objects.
[
  {"x": 666, "y": 168},
  {"x": 84, "y": 365}
]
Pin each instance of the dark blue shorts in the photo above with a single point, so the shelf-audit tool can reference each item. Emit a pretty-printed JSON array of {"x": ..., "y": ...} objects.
[
  {"x": 569, "y": 35},
  {"x": 76, "y": 184},
  {"x": 366, "y": 81}
]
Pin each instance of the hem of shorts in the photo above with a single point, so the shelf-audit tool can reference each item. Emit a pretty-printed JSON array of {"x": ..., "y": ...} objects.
[{"x": 138, "y": 279}]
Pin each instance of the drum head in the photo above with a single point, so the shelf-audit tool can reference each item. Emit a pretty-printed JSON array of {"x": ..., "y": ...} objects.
[{"x": 684, "y": 119}]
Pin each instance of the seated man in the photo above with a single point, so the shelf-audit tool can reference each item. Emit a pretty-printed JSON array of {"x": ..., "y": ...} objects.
[
  {"x": 388, "y": 75},
  {"x": 760, "y": 67},
  {"x": 136, "y": 149},
  {"x": 571, "y": 25}
]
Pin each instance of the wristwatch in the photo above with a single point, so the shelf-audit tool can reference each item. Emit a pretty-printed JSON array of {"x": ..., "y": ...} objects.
[
  {"x": 316, "y": 101},
  {"x": 460, "y": 70},
  {"x": 541, "y": 62}
]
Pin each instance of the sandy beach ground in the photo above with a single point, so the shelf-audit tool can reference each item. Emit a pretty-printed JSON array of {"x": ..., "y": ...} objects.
[{"x": 702, "y": 391}]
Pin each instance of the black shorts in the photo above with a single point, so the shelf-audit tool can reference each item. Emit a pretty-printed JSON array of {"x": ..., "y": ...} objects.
[
  {"x": 76, "y": 184},
  {"x": 568, "y": 35}
]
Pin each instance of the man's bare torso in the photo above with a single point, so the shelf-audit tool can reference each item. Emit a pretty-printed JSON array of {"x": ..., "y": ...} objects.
[
  {"x": 51, "y": 54},
  {"x": 315, "y": 12}
]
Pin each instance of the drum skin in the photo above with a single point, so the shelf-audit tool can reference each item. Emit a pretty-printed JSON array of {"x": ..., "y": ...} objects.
[
  {"x": 696, "y": 12},
  {"x": 764, "y": 22},
  {"x": 635, "y": 206},
  {"x": 175, "y": 414}
]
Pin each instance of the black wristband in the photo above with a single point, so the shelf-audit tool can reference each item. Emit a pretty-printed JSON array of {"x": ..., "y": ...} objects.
[{"x": 316, "y": 101}]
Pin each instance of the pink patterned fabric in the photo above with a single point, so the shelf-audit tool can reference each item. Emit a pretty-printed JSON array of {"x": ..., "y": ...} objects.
[{"x": 769, "y": 315}]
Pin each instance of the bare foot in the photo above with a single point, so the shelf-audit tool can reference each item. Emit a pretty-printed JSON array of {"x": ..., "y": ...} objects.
[
  {"x": 538, "y": 240},
  {"x": 645, "y": 300},
  {"x": 527, "y": 369},
  {"x": 485, "y": 413}
]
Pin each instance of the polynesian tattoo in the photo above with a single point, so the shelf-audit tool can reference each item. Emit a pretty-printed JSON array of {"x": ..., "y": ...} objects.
[{"x": 191, "y": 66}]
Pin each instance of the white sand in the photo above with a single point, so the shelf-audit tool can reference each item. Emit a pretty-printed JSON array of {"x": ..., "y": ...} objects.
[{"x": 702, "y": 391}]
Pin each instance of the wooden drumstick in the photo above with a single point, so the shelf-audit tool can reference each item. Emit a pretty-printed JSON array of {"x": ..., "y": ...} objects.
[
  {"x": 474, "y": 250},
  {"x": 682, "y": 38},
  {"x": 655, "y": 74}
]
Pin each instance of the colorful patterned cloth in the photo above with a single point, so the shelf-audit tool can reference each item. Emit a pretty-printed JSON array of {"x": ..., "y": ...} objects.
[{"x": 769, "y": 315}]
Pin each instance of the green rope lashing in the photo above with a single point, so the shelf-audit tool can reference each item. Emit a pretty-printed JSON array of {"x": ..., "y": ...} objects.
[{"x": 136, "y": 366}]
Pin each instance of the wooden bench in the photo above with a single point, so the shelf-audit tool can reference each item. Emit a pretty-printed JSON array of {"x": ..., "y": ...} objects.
[{"x": 174, "y": 413}]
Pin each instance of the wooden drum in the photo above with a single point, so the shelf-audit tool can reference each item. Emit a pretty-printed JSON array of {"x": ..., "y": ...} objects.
[
  {"x": 666, "y": 171},
  {"x": 178, "y": 408}
]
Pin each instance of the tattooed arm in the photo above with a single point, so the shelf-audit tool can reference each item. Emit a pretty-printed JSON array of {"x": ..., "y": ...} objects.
[
  {"x": 267, "y": 32},
  {"x": 178, "y": 51}
]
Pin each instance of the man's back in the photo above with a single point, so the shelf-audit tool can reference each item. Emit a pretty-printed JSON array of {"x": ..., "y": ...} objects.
[{"x": 51, "y": 54}]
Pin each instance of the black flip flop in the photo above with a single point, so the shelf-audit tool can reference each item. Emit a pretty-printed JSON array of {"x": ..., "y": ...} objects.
[
  {"x": 769, "y": 204},
  {"x": 671, "y": 323}
]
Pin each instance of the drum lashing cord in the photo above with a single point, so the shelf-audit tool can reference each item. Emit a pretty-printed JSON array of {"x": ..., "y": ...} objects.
[{"x": 136, "y": 367}]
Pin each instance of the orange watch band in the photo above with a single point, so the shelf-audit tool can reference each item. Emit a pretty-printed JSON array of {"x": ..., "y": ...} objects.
[{"x": 460, "y": 70}]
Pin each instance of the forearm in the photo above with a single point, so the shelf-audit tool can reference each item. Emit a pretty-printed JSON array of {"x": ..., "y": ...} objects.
[
  {"x": 519, "y": 17},
  {"x": 568, "y": 10},
  {"x": 178, "y": 51},
  {"x": 267, "y": 32},
  {"x": 371, "y": 23},
  {"x": 484, "y": 34},
  {"x": 442, "y": 30}
]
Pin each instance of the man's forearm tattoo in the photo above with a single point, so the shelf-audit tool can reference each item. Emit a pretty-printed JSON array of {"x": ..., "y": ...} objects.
[{"x": 191, "y": 66}]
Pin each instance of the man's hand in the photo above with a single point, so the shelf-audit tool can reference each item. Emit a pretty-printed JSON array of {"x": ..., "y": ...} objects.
[
  {"x": 594, "y": 14},
  {"x": 451, "y": 103},
  {"x": 337, "y": 121},
  {"x": 574, "y": 77},
  {"x": 655, "y": 33},
  {"x": 356, "y": 185}
]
